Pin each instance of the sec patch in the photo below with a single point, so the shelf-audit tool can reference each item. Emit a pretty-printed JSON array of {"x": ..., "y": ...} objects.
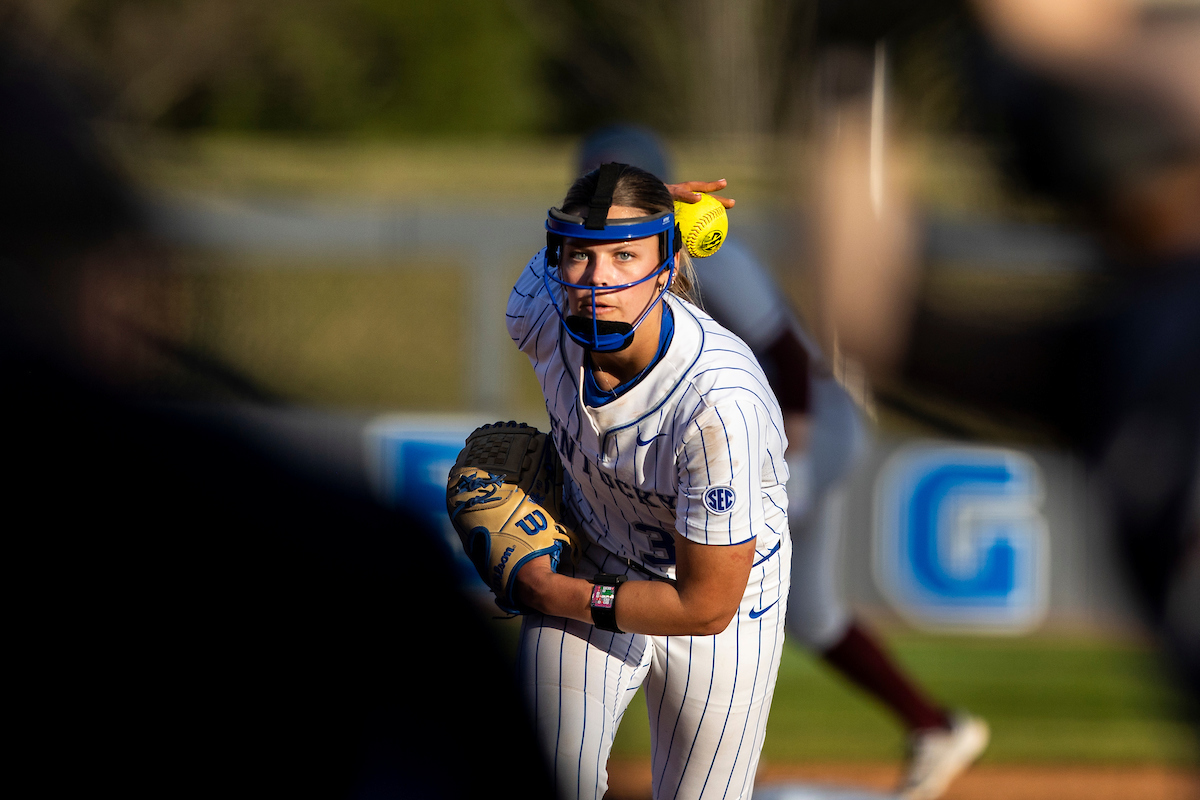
[{"x": 720, "y": 499}]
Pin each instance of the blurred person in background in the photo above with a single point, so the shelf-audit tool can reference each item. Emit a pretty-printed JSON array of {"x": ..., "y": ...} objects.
[
  {"x": 1094, "y": 107},
  {"x": 192, "y": 615},
  {"x": 827, "y": 439}
]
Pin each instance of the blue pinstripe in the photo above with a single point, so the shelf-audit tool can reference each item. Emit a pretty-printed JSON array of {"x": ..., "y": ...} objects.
[
  {"x": 746, "y": 723},
  {"x": 687, "y": 761},
  {"x": 579, "y": 770},
  {"x": 737, "y": 662},
  {"x": 730, "y": 454},
  {"x": 686, "y": 684},
  {"x": 558, "y": 732},
  {"x": 654, "y": 738}
]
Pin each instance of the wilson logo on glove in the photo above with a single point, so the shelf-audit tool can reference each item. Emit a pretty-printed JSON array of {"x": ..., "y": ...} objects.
[
  {"x": 532, "y": 523},
  {"x": 498, "y": 570}
]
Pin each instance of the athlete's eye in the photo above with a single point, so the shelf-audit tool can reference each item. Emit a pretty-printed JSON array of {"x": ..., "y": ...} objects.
[
  {"x": 625, "y": 255},
  {"x": 578, "y": 256}
]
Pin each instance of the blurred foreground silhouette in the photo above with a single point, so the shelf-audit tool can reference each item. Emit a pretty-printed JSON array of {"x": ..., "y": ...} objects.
[{"x": 193, "y": 616}]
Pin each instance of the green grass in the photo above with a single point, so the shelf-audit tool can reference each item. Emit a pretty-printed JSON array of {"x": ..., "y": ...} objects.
[{"x": 1047, "y": 700}]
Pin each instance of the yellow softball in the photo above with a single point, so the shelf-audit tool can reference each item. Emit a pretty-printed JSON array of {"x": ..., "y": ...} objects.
[{"x": 703, "y": 225}]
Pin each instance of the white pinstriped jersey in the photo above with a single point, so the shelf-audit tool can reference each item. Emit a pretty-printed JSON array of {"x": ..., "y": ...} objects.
[{"x": 696, "y": 446}]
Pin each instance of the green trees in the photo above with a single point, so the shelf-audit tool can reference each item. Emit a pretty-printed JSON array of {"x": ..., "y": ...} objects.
[
  {"x": 330, "y": 66},
  {"x": 428, "y": 67}
]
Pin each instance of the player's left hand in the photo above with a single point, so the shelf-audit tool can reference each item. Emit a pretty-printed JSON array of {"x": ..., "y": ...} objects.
[
  {"x": 686, "y": 192},
  {"x": 531, "y": 583},
  {"x": 504, "y": 497}
]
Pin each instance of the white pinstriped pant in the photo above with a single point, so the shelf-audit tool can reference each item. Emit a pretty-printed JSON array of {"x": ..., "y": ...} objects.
[{"x": 708, "y": 696}]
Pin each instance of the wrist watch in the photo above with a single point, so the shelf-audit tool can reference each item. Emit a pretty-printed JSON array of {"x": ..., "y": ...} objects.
[{"x": 604, "y": 597}]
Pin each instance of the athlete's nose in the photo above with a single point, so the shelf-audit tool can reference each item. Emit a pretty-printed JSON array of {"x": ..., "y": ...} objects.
[{"x": 602, "y": 270}]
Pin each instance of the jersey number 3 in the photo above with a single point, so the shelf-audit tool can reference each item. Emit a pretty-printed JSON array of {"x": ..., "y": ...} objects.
[{"x": 662, "y": 545}]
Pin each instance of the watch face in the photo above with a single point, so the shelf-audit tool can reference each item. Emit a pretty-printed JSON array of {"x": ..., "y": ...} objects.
[{"x": 602, "y": 596}]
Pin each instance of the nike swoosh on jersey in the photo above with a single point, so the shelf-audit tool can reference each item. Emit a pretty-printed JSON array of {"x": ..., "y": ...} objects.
[
  {"x": 648, "y": 441},
  {"x": 756, "y": 613}
]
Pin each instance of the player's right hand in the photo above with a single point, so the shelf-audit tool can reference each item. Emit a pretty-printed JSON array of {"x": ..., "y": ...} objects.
[{"x": 688, "y": 191}]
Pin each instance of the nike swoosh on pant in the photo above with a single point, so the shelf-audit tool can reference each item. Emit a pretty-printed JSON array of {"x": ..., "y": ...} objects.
[
  {"x": 774, "y": 550},
  {"x": 756, "y": 613}
]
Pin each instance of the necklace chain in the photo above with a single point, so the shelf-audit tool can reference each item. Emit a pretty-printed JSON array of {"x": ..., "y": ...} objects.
[{"x": 596, "y": 377}]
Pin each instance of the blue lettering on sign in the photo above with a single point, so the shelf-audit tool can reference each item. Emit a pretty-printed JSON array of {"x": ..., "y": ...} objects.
[
  {"x": 719, "y": 499},
  {"x": 408, "y": 465},
  {"x": 418, "y": 476},
  {"x": 960, "y": 540}
]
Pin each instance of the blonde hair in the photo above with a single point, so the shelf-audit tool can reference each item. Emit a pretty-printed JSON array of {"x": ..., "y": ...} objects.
[{"x": 685, "y": 284}]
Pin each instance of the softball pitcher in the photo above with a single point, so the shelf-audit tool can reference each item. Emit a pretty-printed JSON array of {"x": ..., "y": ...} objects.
[{"x": 673, "y": 444}]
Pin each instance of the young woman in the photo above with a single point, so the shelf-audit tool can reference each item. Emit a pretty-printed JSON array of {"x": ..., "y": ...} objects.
[{"x": 673, "y": 446}]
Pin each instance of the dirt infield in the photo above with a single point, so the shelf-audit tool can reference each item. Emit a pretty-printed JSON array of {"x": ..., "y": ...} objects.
[{"x": 630, "y": 780}]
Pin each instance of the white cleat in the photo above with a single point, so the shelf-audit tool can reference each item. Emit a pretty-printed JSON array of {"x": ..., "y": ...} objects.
[{"x": 937, "y": 757}]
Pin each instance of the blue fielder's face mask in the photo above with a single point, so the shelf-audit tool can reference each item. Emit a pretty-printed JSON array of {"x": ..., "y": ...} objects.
[{"x": 605, "y": 336}]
